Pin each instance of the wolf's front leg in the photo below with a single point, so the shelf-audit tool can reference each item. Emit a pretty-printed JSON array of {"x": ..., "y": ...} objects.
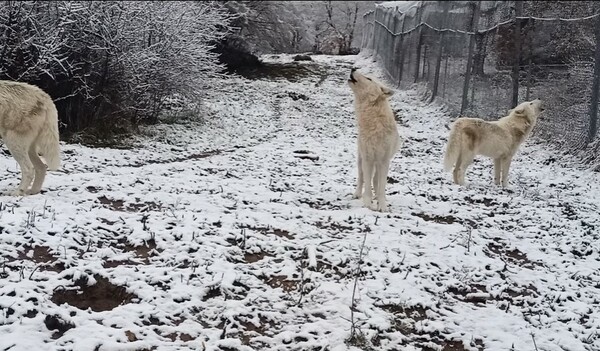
[
  {"x": 18, "y": 146},
  {"x": 368, "y": 170},
  {"x": 360, "y": 180},
  {"x": 497, "y": 170},
  {"x": 505, "y": 167}
]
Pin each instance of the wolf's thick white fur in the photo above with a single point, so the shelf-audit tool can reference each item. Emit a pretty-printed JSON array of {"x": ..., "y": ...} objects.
[
  {"x": 499, "y": 140},
  {"x": 28, "y": 127},
  {"x": 378, "y": 138}
]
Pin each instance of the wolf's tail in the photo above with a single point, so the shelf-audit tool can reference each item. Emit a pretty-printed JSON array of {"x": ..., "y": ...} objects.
[
  {"x": 452, "y": 149},
  {"x": 48, "y": 140}
]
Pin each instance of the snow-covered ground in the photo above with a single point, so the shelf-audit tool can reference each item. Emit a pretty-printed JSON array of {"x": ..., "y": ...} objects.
[{"x": 240, "y": 234}]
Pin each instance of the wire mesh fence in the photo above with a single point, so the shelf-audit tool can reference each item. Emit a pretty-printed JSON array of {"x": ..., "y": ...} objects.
[{"x": 469, "y": 56}]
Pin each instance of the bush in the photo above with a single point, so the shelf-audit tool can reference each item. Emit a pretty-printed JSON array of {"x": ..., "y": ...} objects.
[{"x": 111, "y": 62}]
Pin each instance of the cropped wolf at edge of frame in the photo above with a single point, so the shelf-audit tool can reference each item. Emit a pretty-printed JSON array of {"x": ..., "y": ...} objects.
[{"x": 29, "y": 127}]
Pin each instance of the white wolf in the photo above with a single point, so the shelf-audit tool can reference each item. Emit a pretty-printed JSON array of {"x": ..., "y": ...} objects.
[
  {"x": 378, "y": 139},
  {"x": 28, "y": 126},
  {"x": 499, "y": 140}
]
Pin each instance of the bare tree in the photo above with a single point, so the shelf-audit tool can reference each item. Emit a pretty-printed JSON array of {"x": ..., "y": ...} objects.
[
  {"x": 110, "y": 61},
  {"x": 336, "y": 31}
]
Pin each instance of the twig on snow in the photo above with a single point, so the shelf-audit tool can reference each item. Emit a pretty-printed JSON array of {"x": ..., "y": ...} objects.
[
  {"x": 356, "y": 276},
  {"x": 534, "y": 344},
  {"x": 33, "y": 271},
  {"x": 470, "y": 230}
]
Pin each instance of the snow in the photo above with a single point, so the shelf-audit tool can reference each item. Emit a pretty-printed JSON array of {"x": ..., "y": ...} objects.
[
  {"x": 228, "y": 239},
  {"x": 402, "y": 6}
]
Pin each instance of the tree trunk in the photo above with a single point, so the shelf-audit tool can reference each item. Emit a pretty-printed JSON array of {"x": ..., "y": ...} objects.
[
  {"x": 595, "y": 88},
  {"x": 479, "y": 57},
  {"x": 472, "y": 25},
  {"x": 438, "y": 62},
  {"x": 517, "y": 53}
]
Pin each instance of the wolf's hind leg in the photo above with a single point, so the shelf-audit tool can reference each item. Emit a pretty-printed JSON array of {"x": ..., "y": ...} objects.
[
  {"x": 465, "y": 161},
  {"x": 18, "y": 145},
  {"x": 376, "y": 180},
  {"x": 40, "y": 170},
  {"x": 457, "y": 171}
]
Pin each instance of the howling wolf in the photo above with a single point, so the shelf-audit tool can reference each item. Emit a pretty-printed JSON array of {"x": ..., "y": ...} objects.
[
  {"x": 29, "y": 126},
  {"x": 499, "y": 140},
  {"x": 378, "y": 138}
]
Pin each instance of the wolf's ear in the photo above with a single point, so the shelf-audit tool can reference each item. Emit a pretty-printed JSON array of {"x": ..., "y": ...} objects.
[
  {"x": 387, "y": 91},
  {"x": 519, "y": 110}
]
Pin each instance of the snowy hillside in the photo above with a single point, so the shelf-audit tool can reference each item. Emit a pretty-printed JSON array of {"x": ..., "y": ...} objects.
[{"x": 240, "y": 234}]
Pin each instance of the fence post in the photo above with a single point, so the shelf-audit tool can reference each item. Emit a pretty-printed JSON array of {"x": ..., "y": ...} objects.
[
  {"x": 374, "y": 31},
  {"x": 365, "y": 32},
  {"x": 595, "y": 87},
  {"x": 382, "y": 36},
  {"x": 419, "y": 40},
  {"x": 445, "y": 76},
  {"x": 390, "y": 43},
  {"x": 376, "y": 34},
  {"x": 371, "y": 46},
  {"x": 517, "y": 62},
  {"x": 472, "y": 28},
  {"x": 395, "y": 39},
  {"x": 402, "y": 51},
  {"x": 438, "y": 62},
  {"x": 529, "y": 61}
]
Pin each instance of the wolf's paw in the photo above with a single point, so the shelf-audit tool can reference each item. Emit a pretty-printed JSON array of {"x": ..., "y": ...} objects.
[
  {"x": 356, "y": 195},
  {"x": 382, "y": 208},
  {"x": 367, "y": 202},
  {"x": 32, "y": 192},
  {"x": 16, "y": 192}
]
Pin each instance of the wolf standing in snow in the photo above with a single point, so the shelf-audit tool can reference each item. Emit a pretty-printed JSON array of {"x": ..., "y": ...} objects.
[
  {"x": 499, "y": 140},
  {"x": 378, "y": 139},
  {"x": 28, "y": 126}
]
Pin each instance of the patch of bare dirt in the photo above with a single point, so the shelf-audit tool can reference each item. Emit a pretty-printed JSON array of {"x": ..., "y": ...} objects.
[
  {"x": 514, "y": 256},
  {"x": 269, "y": 230},
  {"x": 43, "y": 256},
  {"x": 335, "y": 226},
  {"x": 320, "y": 204},
  {"x": 57, "y": 323},
  {"x": 119, "y": 205},
  {"x": 143, "y": 251},
  {"x": 473, "y": 293},
  {"x": 102, "y": 296},
  {"x": 405, "y": 318},
  {"x": 255, "y": 257},
  {"x": 329, "y": 270},
  {"x": 445, "y": 219},
  {"x": 281, "y": 281},
  {"x": 118, "y": 263},
  {"x": 489, "y": 202}
]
